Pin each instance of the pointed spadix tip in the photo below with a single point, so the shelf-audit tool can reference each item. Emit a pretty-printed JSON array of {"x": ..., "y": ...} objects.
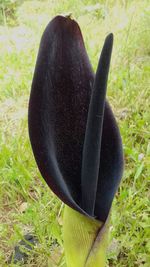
[{"x": 109, "y": 38}]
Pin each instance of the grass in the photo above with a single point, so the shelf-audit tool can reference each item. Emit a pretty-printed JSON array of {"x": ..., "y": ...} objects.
[{"x": 26, "y": 203}]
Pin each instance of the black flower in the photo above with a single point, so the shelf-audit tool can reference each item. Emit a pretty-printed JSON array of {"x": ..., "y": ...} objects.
[{"x": 73, "y": 132}]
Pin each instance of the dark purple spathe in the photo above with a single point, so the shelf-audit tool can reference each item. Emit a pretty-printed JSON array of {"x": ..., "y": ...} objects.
[{"x": 58, "y": 111}]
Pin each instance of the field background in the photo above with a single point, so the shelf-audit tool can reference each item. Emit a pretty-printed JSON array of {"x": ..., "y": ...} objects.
[{"x": 26, "y": 203}]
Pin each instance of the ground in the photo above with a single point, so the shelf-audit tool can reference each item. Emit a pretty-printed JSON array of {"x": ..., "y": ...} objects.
[{"x": 26, "y": 203}]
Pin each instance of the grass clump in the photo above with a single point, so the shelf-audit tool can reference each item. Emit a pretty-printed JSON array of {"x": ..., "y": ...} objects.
[{"x": 8, "y": 12}]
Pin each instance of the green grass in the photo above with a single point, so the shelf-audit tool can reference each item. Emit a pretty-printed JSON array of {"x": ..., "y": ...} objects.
[{"x": 26, "y": 203}]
